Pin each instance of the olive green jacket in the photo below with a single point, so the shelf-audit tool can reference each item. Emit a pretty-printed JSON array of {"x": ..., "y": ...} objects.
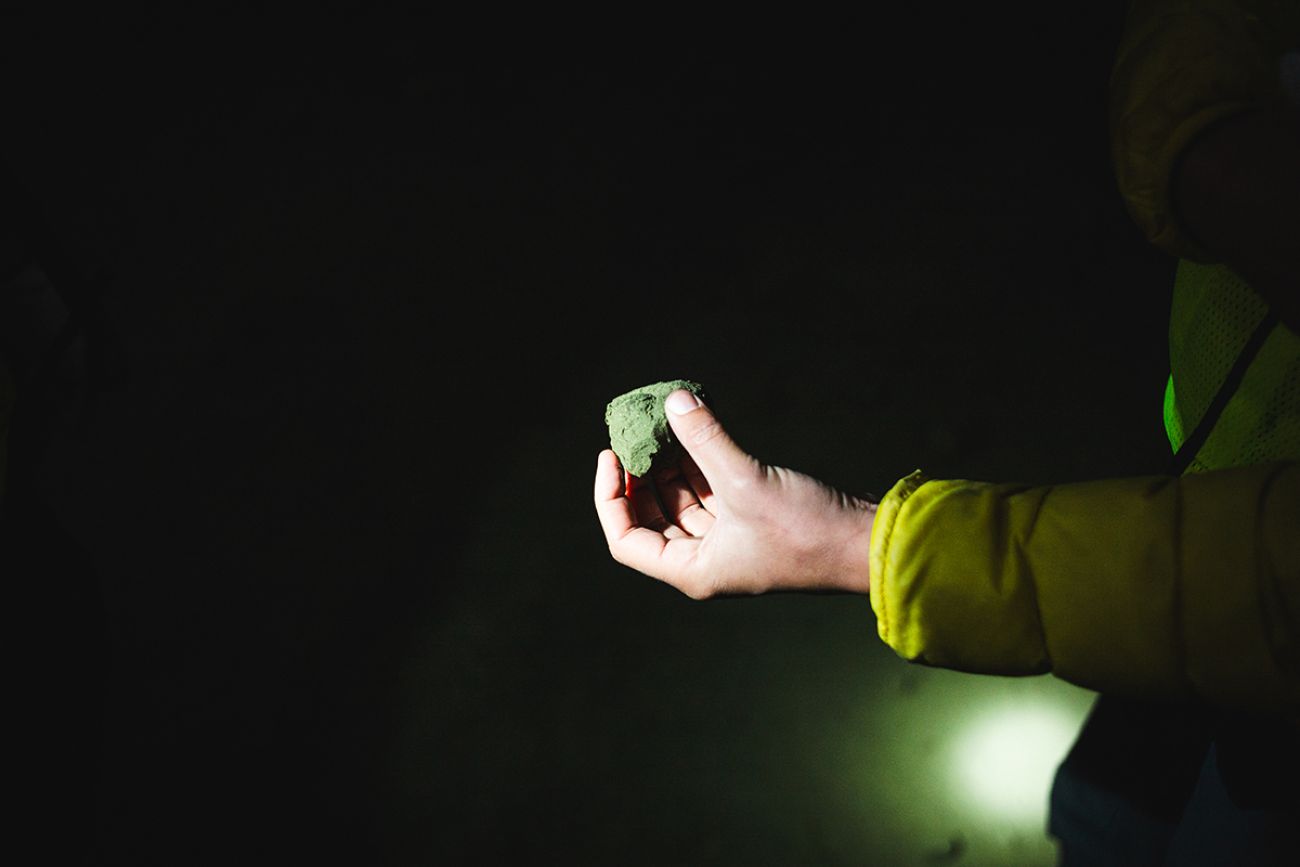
[
  {"x": 1164, "y": 586},
  {"x": 1177, "y": 587}
]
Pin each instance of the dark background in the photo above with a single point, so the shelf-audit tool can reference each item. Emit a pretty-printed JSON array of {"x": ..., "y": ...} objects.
[{"x": 313, "y": 575}]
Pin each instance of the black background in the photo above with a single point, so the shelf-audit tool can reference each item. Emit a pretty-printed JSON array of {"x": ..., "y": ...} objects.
[{"x": 317, "y": 578}]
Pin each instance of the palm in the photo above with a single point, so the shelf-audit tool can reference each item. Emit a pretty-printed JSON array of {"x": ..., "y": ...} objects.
[{"x": 764, "y": 529}]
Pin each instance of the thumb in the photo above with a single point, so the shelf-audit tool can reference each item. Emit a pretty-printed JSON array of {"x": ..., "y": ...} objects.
[{"x": 705, "y": 440}]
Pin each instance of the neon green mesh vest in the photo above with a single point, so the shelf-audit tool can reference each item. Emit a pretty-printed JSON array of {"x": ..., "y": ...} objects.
[
  {"x": 1181, "y": 66},
  {"x": 1213, "y": 314}
]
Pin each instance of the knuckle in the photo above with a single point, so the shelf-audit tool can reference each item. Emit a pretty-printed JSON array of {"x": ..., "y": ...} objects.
[
  {"x": 699, "y": 592},
  {"x": 707, "y": 432},
  {"x": 614, "y": 553}
]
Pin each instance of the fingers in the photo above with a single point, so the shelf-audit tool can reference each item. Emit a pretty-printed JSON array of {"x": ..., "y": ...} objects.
[
  {"x": 609, "y": 476},
  {"x": 699, "y": 484},
  {"x": 645, "y": 503},
  {"x": 664, "y": 555},
  {"x": 623, "y": 506},
  {"x": 714, "y": 452},
  {"x": 613, "y": 508},
  {"x": 681, "y": 503}
]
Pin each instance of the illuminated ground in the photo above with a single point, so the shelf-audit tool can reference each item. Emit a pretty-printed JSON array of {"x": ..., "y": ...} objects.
[{"x": 377, "y": 299}]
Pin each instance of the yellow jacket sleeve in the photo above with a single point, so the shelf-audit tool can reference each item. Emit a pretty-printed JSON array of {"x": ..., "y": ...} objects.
[
  {"x": 1181, "y": 66},
  {"x": 1159, "y": 587}
]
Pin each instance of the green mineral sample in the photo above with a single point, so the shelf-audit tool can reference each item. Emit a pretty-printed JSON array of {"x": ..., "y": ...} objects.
[{"x": 638, "y": 428}]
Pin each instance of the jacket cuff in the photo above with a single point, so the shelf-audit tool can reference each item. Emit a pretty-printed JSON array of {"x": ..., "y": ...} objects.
[
  {"x": 882, "y": 534},
  {"x": 944, "y": 590}
]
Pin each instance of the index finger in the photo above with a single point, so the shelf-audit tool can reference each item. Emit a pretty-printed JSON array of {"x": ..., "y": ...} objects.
[{"x": 613, "y": 507}]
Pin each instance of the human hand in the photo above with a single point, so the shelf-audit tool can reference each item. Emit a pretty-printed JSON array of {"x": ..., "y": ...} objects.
[{"x": 720, "y": 523}]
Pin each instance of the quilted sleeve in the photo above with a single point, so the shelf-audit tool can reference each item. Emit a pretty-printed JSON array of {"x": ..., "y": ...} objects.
[{"x": 1156, "y": 586}]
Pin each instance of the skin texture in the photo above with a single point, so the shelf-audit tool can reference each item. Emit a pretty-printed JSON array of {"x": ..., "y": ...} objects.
[
  {"x": 730, "y": 525},
  {"x": 1237, "y": 192}
]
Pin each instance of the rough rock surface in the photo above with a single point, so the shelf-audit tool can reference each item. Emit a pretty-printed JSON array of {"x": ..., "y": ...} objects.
[{"x": 638, "y": 428}]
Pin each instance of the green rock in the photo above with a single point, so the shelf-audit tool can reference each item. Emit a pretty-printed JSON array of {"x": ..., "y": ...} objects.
[{"x": 638, "y": 428}]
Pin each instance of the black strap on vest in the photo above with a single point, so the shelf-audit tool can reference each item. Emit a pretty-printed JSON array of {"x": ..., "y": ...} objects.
[
  {"x": 1149, "y": 754},
  {"x": 1190, "y": 446}
]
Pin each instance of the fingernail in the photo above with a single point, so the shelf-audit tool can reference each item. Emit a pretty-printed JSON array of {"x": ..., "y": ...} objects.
[{"x": 681, "y": 402}]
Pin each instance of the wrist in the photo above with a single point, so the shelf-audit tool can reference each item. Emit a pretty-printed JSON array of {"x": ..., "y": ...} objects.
[{"x": 855, "y": 573}]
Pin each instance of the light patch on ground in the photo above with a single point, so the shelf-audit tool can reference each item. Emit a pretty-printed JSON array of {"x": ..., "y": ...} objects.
[{"x": 1003, "y": 760}]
